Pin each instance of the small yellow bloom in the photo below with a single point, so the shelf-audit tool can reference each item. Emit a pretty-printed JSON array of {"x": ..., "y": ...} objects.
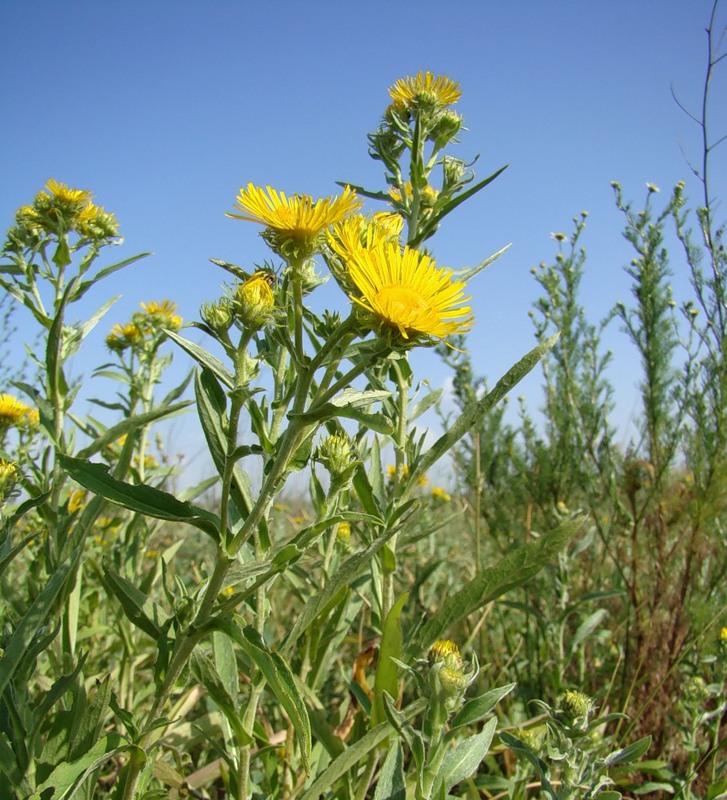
[
  {"x": 425, "y": 88},
  {"x": 439, "y": 494},
  {"x": 344, "y": 532},
  {"x": 406, "y": 291},
  {"x": 123, "y": 336},
  {"x": 723, "y": 635},
  {"x": 391, "y": 471},
  {"x": 297, "y": 220},
  {"x": 75, "y": 500},
  {"x": 422, "y": 481},
  {"x": 163, "y": 314},
  {"x": 428, "y": 195}
]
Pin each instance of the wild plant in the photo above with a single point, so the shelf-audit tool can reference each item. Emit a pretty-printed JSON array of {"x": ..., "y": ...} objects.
[{"x": 280, "y": 656}]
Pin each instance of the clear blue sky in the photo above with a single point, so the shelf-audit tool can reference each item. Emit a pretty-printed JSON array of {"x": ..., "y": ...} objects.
[{"x": 165, "y": 109}]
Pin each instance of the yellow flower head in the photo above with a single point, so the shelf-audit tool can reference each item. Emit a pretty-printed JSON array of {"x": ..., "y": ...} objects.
[
  {"x": 406, "y": 291},
  {"x": 162, "y": 314},
  {"x": 424, "y": 89},
  {"x": 439, "y": 494},
  {"x": 723, "y": 635},
  {"x": 446, "y": 651},
  {"x": 13, "y": 412},
  {"x": 297, "y": 220},
  {"x": 358, "y": 230},
  {"x": 64, "y": 194},
  {"x": 123, "y": 336}
]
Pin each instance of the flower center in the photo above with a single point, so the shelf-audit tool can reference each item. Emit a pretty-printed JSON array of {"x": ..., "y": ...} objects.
[{"x": 400, "y": 301}]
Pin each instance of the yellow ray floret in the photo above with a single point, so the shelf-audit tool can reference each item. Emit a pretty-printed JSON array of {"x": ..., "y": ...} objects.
[
  {"x": 299, "y": 217},
  {"x": 406, "y": 290},
  {"x": 425, "y": 86},
  {"x": 13, "y": 411}
]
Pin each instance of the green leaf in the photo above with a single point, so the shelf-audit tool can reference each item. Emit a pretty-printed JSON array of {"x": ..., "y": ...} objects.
[
  {"x": 206, "y": 673},
  {"x": 279, "y": 678},
  {"x": 115, "y": 432},
  {"x": 143, "y": 499},
  {"x": 510, "y": 571},
  {"x": 479, "y": 707},
  {"x": 585, "y": 629},
  {"x": 211, "y": 405},
  {"x": 541, "y": 768},
  {"x": 349, "y": 570},
  {"x": 68, "y": 776},
  {"x": 630, "y": 753},
  {"x": 455, "y": 201},
  {"x": 34, "y": 619},
  {"x": 355, "y": 753},
  {"x": 140, "y": 610},
  {"x": 471, "y": 415},
  {"x": 469, "y": 272},
  {"x": 391, "y": 784},
  {"x": 204, "y": 359},
  {"x": 387, "y": 672},
  {"x": 464, "y": 759},
  {"x": 91, "y": 723},
  {"x": 106, "y": 271}
]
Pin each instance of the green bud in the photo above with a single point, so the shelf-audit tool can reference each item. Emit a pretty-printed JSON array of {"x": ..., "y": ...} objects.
[
  {"x": 218, "y": 315},
  {"x": 336, "y": 454}
]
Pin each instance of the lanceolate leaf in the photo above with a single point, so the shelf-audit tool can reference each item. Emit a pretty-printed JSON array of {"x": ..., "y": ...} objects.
[
  {"x": 510, "y": 571},
  {"x": 464, "y": 759},
  {"x": 34, "y": 619},
  {"x": 279, "y": 678},
  {"x": 204, "y": 359},
  {"x": 139, "y": 497},
  {"x": 114, "y": 433},
  {"x": 475, "y": 411},
  {"x": 205, "y": 672},
  {"x": 351, "y": 568},
  {"x": 387, "y": 673}
]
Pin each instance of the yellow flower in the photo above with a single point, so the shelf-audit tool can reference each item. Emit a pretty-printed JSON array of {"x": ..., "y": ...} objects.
[
  {"x": 14, "y": 412},
  {"x": 424, "y": 89},
  {"x": 297, "y": 219},
  {"x": 408, "y": 292},
  {"x": 64, "y": 194},
  {"x": 422, "y": 481},
  {"x": 391, "y": 471},
  {"x": 344, "y": 532},
  {"x": 439, "y": 494},
  {"x": 428, "y": 196},
  {"x": 163, "y": 314},
  {"x": 75, "y": 500},
  {"x": 122, "y": 336},
  {"x": 444, "y": 650},
  {"x": 723, "y": 635}
]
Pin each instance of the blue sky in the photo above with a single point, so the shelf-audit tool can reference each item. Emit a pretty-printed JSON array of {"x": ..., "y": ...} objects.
[{"x": 165, "y": 109}]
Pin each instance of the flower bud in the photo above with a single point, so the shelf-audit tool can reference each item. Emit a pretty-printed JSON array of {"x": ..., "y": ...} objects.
[
  {"x": 254, "y": 301},
  {"x": 336, "y": 454},
  {"x": 8, "y": 478},
  {"x": 218, "y": 315}
]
